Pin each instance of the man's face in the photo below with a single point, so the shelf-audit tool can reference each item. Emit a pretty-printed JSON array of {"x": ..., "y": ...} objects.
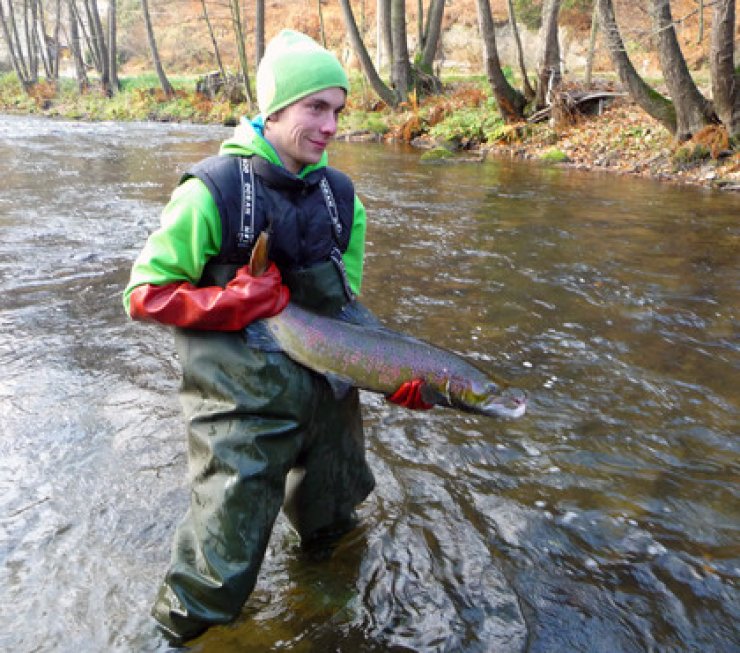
[{"x": 301, "y": 132}]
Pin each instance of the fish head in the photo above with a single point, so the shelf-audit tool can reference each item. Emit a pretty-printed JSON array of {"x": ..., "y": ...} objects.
[
  {"x": 490, "y": 398},
  {"x": 511, "y": 403}
]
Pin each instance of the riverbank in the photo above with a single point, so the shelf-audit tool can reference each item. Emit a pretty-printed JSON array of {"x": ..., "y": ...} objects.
[
  {"x": 624, "y": 140},
  {"x": 621, "y": 139},
  {"x": 462, "y": 124}
]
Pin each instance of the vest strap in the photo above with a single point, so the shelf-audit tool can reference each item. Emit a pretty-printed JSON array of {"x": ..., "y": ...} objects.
[
  {"x": 246, "y": 234},
  {"x": 331, "y": 207}
]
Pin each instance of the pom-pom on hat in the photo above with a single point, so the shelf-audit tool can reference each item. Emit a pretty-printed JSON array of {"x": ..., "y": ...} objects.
[{"x": 295, "y": 66}]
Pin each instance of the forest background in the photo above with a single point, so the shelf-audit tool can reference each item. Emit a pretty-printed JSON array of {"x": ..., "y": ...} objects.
[{"x": 645, "y": 87}]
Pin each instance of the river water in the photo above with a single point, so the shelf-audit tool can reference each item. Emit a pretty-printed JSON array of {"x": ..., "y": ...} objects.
[{"x": 606, "y": 519}]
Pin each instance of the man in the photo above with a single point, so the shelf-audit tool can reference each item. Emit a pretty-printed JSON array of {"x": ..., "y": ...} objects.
[{"x": 256, "y": 419}]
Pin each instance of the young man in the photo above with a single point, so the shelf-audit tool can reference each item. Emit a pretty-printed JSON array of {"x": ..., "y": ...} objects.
[{"x": 256, "y": 419}]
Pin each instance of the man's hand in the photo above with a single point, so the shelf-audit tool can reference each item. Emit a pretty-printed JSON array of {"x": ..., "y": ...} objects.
[{"x": 409, "y": 396}]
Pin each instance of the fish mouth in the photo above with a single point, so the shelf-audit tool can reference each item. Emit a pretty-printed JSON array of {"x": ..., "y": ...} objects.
[{"x": 511, "y": 403}]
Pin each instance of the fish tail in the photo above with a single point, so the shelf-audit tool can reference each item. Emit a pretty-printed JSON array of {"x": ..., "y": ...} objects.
[{"x": 259, "y": 260}]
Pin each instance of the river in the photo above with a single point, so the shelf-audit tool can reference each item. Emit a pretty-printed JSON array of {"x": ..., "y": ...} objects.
[{"x": 606, "y": 519}]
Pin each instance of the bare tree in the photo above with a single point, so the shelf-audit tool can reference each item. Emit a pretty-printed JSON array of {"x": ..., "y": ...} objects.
[
  {"x": 75, "y": 45},
  {"x": 87, "y": 46},
  {"x": 400, "y": 65},
  {"x": 371, "y": 74},
  {"x": 419, "y": 25},
  {"x": 529, "y": 92},
  {"x": 214, "y": 42},
  {"x": 259, "y": 31},
  {"x": 156, "y": 60},
  {"x": 510, "y": 102},
  {"x": 548, "y": 73},
  {"x": 649, "y": 100},
  {"x": 321, "y": 23},
  {"x": 725, "y": 77},
  {"x": 99, "y": 49},
  {"x": 384, "y": 9},
  {"x": 693, "y": 111},
  {"x": 48, "y": 43},
  {"x": 431, "y": 34},
  {"x": 591, "y": 45},
  {"x": 17, "y": 49},
  {"x": 115, "y": 85},
  {"x": 30, "y": 14},
  {"x": 56, "y": 37},
  {"x": 236, "y": 22},
  {"x": 33, "y": 42}
]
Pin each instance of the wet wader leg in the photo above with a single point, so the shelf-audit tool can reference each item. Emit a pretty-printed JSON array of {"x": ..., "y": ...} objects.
[
  {"x": 245, "y": 411},
  {"x": 332, "y": 476}
]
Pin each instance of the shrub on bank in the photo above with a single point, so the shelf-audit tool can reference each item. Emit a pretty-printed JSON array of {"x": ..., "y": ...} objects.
[{"x": 138, "y": 99}]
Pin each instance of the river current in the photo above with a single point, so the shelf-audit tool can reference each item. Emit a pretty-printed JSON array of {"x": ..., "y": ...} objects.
[{"x": 606, "y": 519}]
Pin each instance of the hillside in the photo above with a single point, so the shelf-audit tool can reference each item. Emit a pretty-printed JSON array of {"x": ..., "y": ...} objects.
[{"x": 186, "y": 47}]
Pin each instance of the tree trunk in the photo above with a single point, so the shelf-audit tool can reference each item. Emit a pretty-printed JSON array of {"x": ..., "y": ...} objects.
[
  {"x": 236, "y": 21},
  {"x": 86, "y": 39},
  {"x": 43, "y": 41},
  {"x": 383, "y": 92},
  {"x": 649, "y": 100},
  {"x": 385, "y": 26},
  {"x": 83, "y": 83},
  {"x": 548, "y": 74},
  {"x": 591, "y": 46},
  {"x": 89, "y": 34},
  {"x": 259, "y": 31},
  {"x": 214, "y": 42},
  {"x": 115, "y": 85},
  {"x": 510, "y": 102},
  {"x": 163, "y": 81},
  {"x": 321, "y": 23},
  {"x": 529, "y": 92},
  {"x": 29, "y": 26},
  {"x": 419, "y": 26},
  {"x": 725, "y": 79},
  {"x": 57, "y": 45},
  {"x": 693, "y": 111},
  {"x": 99, "y": 41},
  {"x": 15, "y": 50},
  {"x": 432, "y": 33},
  {"x": 400, "y": 66}
]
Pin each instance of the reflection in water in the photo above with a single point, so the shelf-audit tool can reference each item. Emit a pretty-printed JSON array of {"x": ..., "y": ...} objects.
[{"x": 604, "y": 520}]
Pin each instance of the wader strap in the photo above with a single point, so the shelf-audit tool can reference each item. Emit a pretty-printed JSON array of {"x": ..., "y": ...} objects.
[
  {"x": 336, "y": 257},
  {"x": 245, "y": 236},
  {"x": 331, "y": 207},
  {"x": 336, "y": 225}
]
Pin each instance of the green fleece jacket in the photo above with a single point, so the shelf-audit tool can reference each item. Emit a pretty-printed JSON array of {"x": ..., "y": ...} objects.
[{"x": 190, "y": 227}]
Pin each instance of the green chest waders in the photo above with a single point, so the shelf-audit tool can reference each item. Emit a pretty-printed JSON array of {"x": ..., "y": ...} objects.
[{"x": 255, "y": 418}]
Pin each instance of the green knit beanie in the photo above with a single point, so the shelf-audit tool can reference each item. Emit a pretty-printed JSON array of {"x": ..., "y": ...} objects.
[{"x": 295, "y": 66}]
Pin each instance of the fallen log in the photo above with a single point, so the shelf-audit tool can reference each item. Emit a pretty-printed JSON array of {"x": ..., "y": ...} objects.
[{"x": 568, "y": 104}]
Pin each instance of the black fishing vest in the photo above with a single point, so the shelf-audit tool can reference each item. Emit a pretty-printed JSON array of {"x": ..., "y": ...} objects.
[{"x": 310, "y": 219}]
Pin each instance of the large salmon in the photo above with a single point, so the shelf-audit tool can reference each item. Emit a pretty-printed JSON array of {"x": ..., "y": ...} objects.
[{"x": 378, "y": 359}]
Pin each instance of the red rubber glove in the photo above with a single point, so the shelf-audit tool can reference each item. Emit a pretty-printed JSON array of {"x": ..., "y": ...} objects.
[
  {"x": 409, "y": 396},
  {"x": 244, "y": 300}
]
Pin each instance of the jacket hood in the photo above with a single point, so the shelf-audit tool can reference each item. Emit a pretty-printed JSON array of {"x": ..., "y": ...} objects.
[{"x": 248, "y": 139}]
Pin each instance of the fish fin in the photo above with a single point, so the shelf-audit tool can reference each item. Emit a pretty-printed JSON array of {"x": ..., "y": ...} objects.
[
  {"x": 355, "y": 312},
  {"x": 433, "y": 396},
  {"x": 259, "y": 260},
  {"x": 339, "y": 385}
]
